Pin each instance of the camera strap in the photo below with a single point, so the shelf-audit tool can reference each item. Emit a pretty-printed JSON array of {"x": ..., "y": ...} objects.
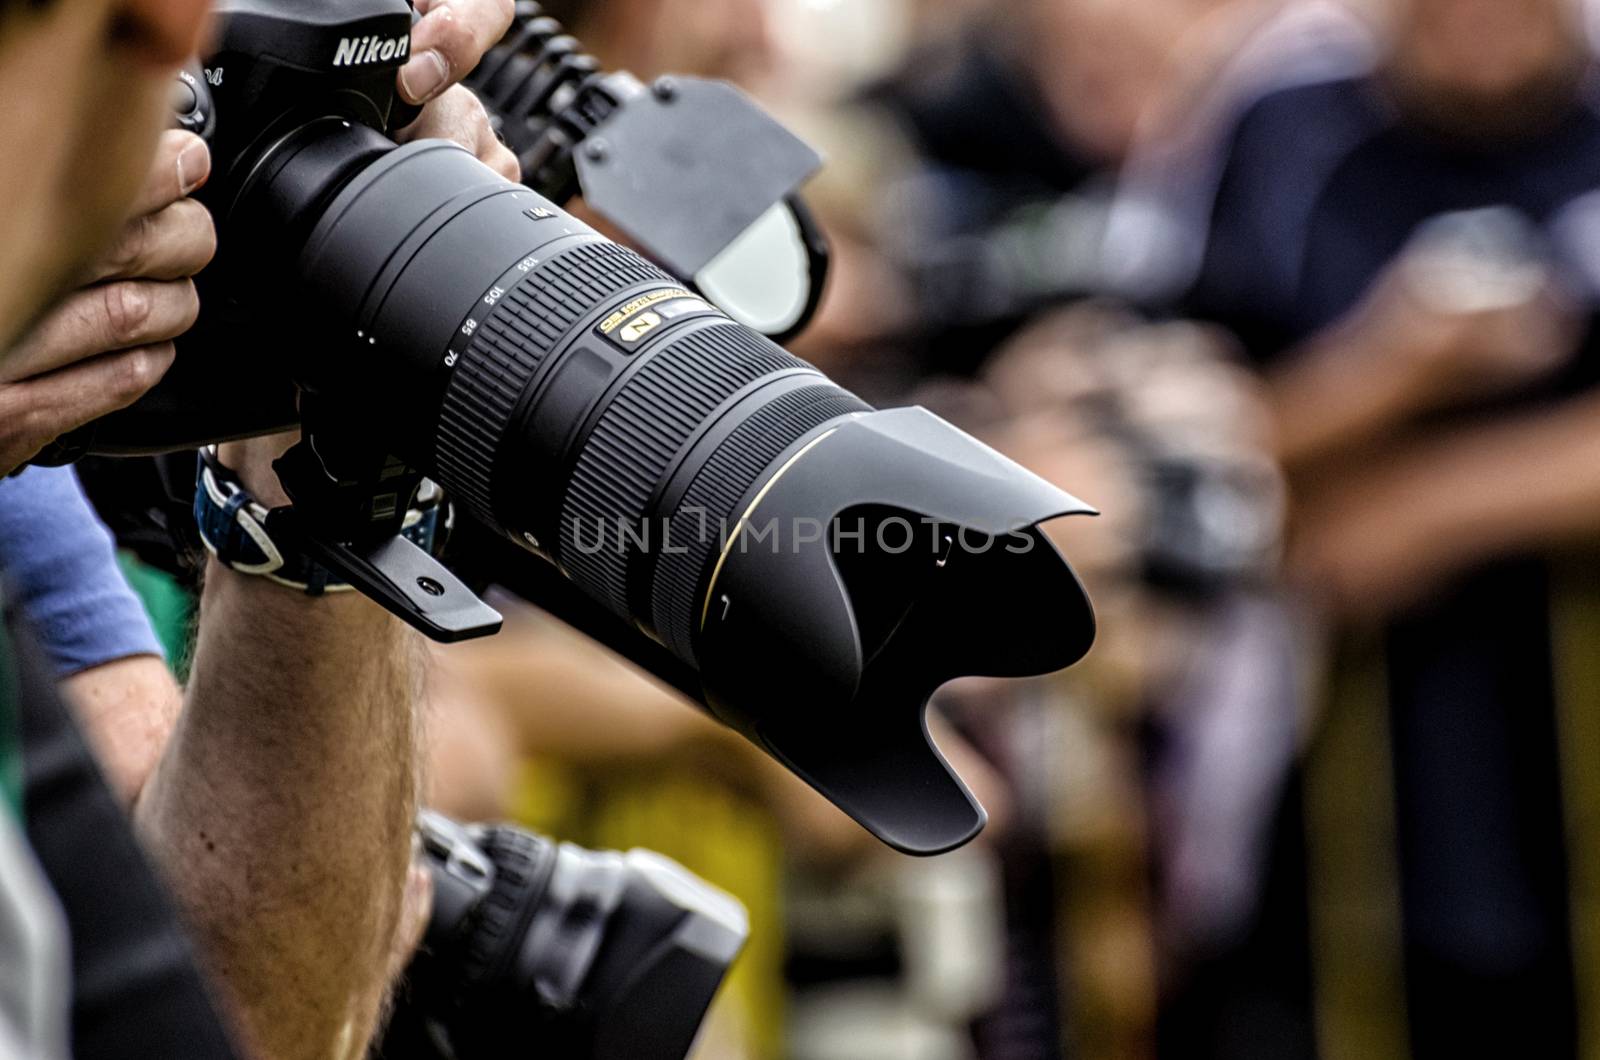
[{"x": 233, "y": 525}]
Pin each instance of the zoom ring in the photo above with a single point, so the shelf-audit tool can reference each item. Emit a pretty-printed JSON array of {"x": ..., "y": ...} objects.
[
  {"x": 707, "y": 513},
  {"x": 506, "y": 352},
  {"x": 633, "y": 447}
]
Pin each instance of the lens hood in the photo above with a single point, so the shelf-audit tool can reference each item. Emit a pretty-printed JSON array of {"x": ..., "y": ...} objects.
[{"x": 888, "y": 555}]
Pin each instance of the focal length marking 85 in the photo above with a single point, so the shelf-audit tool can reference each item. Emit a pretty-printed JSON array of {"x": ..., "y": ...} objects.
[{"x": 486, "y": 306}]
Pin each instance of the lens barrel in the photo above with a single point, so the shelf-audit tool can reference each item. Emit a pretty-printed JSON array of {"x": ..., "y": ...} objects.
[{"x": 581, "y": 401}]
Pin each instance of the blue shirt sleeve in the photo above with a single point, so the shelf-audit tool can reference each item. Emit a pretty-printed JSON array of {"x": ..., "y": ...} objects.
[{"x": 60, "y": 566}]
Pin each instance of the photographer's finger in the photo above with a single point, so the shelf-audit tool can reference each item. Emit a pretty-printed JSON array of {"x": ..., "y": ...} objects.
[
  {"x": 457, "y": 116},
  {"x": 487, "y": 147},
  {"x": 171, "y": 244},
  {"x": 451, "y": 38},
  {"x": 37, "y": 411},
  {"x": 500, "y": 158},
  {"x": 100, "y": 319},
  {"x": 182, "y": 164}
]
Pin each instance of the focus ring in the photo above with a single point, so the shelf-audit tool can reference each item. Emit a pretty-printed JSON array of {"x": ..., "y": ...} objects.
[
  {"x": 522, "y": 864},
  {"x": 632, "y": 448},
  {"x": 707, "y": 512},
  {"x": 506, "y": 352}
]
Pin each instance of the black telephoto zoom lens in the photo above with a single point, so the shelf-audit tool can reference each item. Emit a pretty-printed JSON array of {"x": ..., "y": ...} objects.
[{"x": 572, "y": 395}]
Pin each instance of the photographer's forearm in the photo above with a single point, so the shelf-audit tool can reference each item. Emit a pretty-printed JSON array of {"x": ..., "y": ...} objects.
[{"x": 282, "y": 808}]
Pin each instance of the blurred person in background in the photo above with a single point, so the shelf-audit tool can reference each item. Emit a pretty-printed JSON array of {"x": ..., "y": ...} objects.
[
  {"x": 1169, "y": 435},
  {"x": 1406, "y": 252},
  {"x": 1017, "y": 126}
]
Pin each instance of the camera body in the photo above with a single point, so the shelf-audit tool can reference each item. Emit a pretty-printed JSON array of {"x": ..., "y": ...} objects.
[
  {"x": 278, "y": 66},
  {"x": 593, "y": 955},
  {"x": 281, "y": 63}
]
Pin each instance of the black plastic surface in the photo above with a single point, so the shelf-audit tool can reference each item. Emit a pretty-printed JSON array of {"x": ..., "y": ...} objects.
[{"x": 694, "y": 149}]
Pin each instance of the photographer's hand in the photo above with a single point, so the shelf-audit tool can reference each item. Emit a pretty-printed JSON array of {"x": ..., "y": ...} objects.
[
  {"x": 449, "y": 40},
  {"x": 458, "y": 115},
  {"x": 107, "y": 343}
]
